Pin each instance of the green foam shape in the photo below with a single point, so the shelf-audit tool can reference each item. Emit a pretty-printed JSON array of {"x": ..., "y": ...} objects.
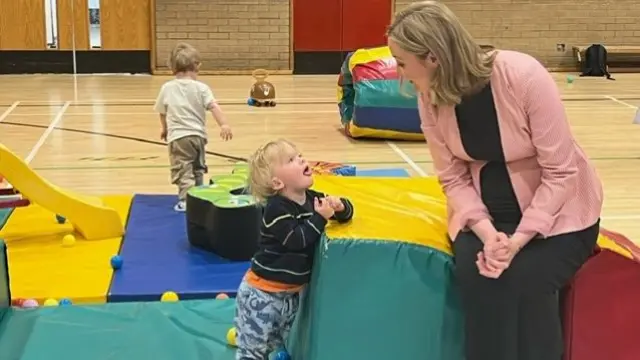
[
  {"x": 220, "y": 190},
  {"x": 232, "y": 181},
  {"x": 241, "y": 171},
  {"x": 241, "y": 165}
]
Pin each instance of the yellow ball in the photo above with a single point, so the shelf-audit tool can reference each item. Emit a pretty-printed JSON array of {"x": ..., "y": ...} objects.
[
  {"x": 68, "y": 240},
  {"x": 51, "y": 302},
  {"x": 231, "y": 336},
  {"x": 169, "y": 296}
]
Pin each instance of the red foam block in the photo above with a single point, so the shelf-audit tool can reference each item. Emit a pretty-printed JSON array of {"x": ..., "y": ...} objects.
[
  {"x": 382, "y": 69},
  {"x": 602, "y": 310}
]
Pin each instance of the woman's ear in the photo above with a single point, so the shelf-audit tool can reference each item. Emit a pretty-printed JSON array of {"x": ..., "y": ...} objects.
[{"x": 431, "y": 62}]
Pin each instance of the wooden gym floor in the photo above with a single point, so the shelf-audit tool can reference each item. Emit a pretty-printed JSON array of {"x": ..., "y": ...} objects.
[{"x": 91, "y": 133}]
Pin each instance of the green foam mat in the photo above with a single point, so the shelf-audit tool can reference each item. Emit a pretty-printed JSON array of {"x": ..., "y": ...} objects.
[
  {"x": 4, "y": 216},
  {"x": 379, "y": 300},
  {"x": 191, "y": 330},
  {"x": 384, "y": 93},
  {"x": 5, "y": 294}
]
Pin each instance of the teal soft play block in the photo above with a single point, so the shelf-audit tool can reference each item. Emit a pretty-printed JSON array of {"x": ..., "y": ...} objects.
[
  {"x": 125, "y": 331},
  {"x": 406, "y": 306},
  {"x": 384, "y": 93},
  {"x": 5, "y": 294},
  {"x": 4, "y": 216}
]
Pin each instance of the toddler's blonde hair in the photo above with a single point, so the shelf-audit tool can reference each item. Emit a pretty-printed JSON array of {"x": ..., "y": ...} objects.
[
  {"x": 184, "y": 57},
  {"x": 262, "y": 163}
]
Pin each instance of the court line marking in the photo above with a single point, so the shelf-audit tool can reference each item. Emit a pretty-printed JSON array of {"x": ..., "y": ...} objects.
[
  {"x": 7, "y": 112},
  {"x": 230, "y": 101},
  {"x": 287, "y": 101},
  {"x": 621, "y": 217},
  {"x": 5, "y": 115},
  {"x": 226, "y": 112},
  {"x": 406, "y": 158},
  {"x": 621, "y": 102},
  {"x": 52, "y": 126}
]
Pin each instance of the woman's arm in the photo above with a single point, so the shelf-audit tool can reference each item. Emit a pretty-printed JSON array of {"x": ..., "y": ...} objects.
[
  {"x": 455, "y": 179},
  {"x": 554, "y": 144}
]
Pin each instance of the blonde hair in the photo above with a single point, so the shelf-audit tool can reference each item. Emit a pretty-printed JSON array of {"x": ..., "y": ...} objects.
[
  {"x": 262, "y": 164},
  {"x": 427, "y": 28},
  {"x": 184, "y": 57}
]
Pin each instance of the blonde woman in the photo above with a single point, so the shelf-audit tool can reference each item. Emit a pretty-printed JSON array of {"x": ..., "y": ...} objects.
[{"x": 524, "y": 201}]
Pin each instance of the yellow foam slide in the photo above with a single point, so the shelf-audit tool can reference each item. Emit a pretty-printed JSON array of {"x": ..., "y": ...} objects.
[{"x": 89, "y": 216}]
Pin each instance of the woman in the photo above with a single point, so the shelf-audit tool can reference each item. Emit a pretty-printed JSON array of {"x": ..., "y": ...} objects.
[{"x": 524, "y": 201}]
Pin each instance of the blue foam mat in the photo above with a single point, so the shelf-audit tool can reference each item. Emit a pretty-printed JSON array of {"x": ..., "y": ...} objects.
[
  {"x": 157, "y": 256},
  {"x": 392, "y": 172}
]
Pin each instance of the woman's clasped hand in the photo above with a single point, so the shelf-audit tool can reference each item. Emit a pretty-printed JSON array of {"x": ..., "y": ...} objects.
[{"x": 497, "y": 254}]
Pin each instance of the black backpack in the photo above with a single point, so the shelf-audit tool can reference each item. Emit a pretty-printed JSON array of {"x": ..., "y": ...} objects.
[{"x": 595, "y": 62}]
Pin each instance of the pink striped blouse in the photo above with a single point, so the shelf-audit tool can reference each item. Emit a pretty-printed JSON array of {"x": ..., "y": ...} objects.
[{"x": 557, "y": 187}]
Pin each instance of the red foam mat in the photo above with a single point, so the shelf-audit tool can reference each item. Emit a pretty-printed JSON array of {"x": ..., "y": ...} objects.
[{"x": 602, "y": 310}]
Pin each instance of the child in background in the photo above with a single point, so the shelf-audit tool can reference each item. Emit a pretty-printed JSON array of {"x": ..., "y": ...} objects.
[
  {"x": 183, "y": 103},
  {"x": 294, "y": 219}
]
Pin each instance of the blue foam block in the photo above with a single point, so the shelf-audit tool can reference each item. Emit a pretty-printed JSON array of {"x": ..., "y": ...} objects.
[
  {"x": 396, "y": 119},
  {"x": 393, "y": 172},
  {"x": 157, "y": 257}
]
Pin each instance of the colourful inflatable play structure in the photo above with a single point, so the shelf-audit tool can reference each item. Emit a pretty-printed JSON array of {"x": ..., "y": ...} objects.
[
  {"x": 372, "y": 101},
  {"x": 382, "y": 288}
]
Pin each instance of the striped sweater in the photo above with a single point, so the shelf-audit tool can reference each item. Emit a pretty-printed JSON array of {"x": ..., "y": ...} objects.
[{"x": 289, "y": 236}]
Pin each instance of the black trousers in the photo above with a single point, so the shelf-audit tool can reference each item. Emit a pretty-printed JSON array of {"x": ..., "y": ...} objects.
[{"x": 517, "y": 316}]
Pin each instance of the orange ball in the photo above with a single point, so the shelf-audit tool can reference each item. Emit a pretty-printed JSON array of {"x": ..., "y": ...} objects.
[{"x": 222, "y": 296}]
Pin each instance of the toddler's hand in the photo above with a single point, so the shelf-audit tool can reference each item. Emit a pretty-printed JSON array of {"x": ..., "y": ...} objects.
[
  {"x": 336, "y": 203},
  {"x": 323, "y": 207},
  {"x": 163, "y": 134},
  {"x": 225, "y": 132}
]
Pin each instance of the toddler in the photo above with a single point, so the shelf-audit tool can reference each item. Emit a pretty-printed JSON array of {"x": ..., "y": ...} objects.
[
  {"x": 293, "y": 221},
  {"x": 182, "y": 105}
]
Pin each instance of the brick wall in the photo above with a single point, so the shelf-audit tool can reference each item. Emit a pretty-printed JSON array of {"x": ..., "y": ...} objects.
[
  {"x": 230, "y": 34},
  {"x": 249, "y": 34},
  {"x": 535, "y": 27}
]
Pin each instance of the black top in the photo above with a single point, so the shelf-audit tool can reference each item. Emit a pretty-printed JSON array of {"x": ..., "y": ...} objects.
[
  {"x": 288, "y": 238},
  {"x": 480, "y": 134}
]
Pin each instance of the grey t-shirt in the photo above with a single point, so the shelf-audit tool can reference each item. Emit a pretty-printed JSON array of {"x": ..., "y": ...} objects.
[{"x": 185, "y": 102}]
